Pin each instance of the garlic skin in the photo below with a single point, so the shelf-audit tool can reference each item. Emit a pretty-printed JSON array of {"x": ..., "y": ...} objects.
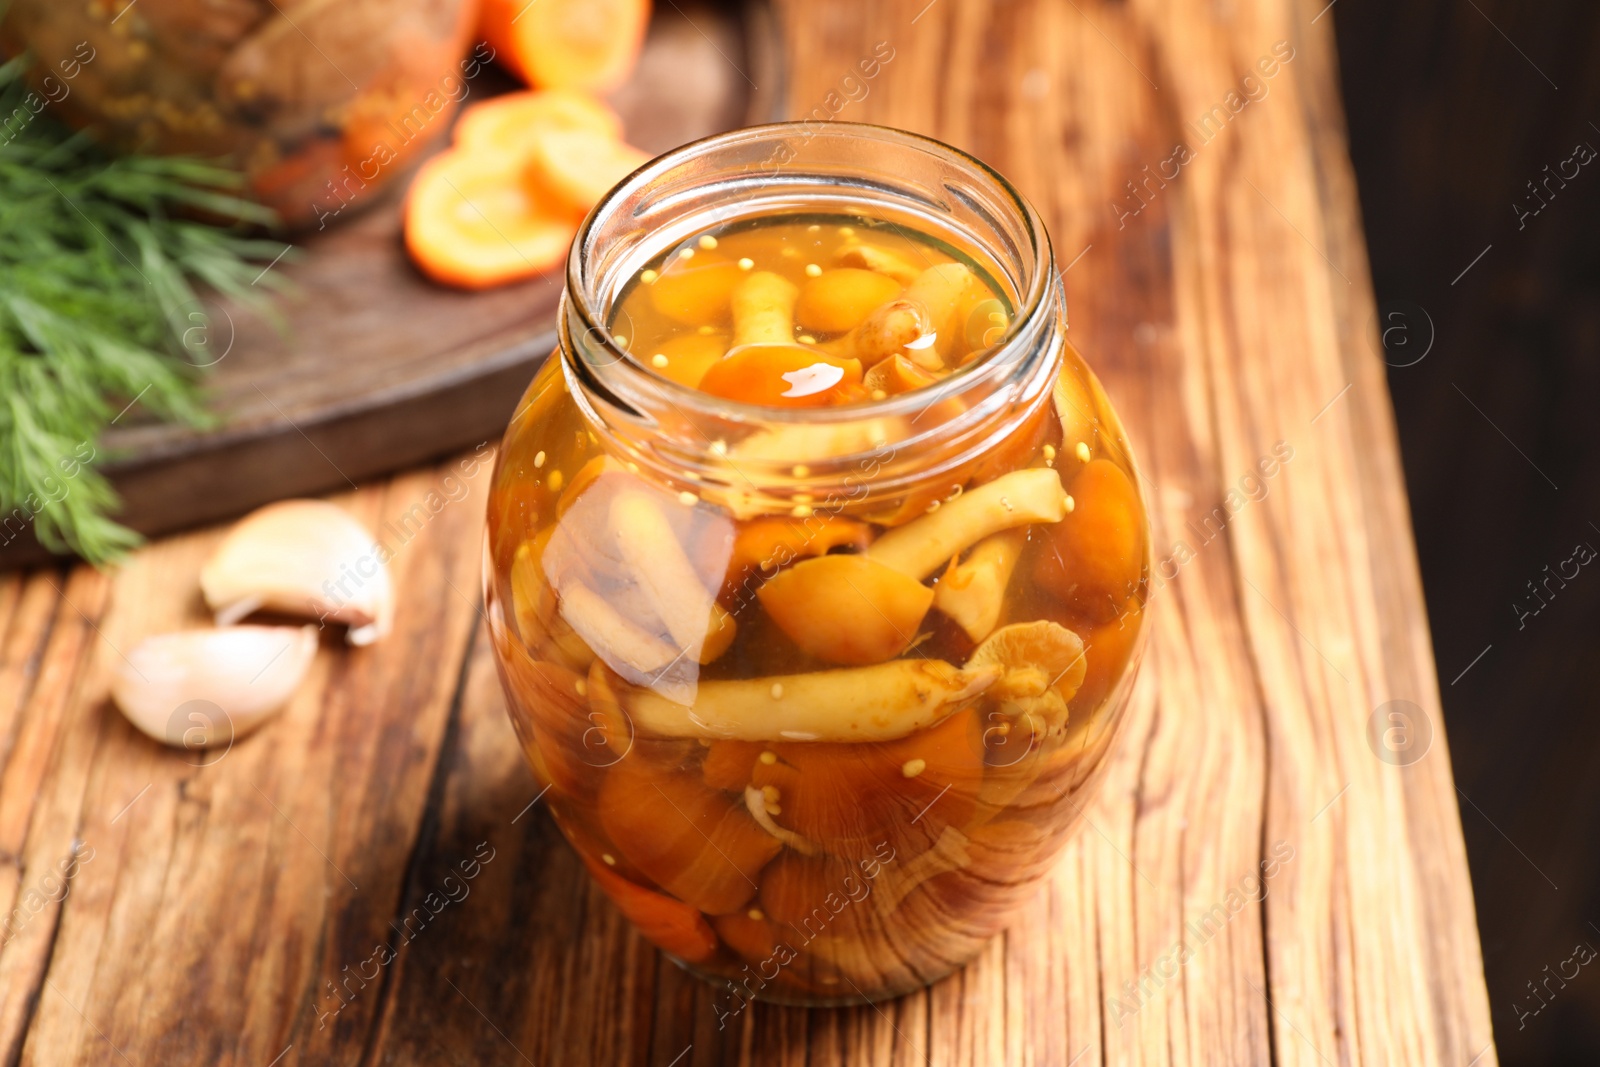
[
  {"x": 246, "y": 672},
  {"x": 302, "y": 557}
]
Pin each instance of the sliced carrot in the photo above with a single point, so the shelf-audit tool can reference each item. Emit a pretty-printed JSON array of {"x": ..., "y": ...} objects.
[
  {"x": 1094, "y": 558},
  {"x": 780, "y": 375},
  {"x": 575, "y": 168},
  {"x": 673, "y": 925},
  {"x": 694, "y": 842},
  {"x": 576, "y": 44},
  {"x": 512, "y": 120},
  {"x": 472, "y": 222}
]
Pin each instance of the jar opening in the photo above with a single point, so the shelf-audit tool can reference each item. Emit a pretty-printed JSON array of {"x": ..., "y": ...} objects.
[{"x": 830, "y": 169}]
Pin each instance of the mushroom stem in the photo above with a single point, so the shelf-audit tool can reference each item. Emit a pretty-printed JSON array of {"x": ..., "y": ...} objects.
[
  {"x": 1016, "y": 499},
  {"x": 972, "y": 592},
  {"x": 756, "y": 804},
  {"x": 763, "y": 310},
  {"x": 877, "y": 703}
]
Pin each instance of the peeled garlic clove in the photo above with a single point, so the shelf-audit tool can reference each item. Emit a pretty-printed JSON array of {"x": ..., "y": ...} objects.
[
  {"x": 199, "y": 688},
  {"x": 302, "y": 557}
]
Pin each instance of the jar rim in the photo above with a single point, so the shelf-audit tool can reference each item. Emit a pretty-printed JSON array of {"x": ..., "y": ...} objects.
[{"x": 1032, "y": 297}]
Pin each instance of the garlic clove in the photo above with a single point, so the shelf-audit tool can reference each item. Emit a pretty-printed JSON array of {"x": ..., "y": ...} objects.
[
  {"x": 302, "y": 557},
  {"x": 198, "y": 688}
]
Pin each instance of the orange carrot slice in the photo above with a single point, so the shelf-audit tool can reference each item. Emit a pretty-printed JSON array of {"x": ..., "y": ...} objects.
[
  {"x": 511, "y": 121},
  {"x": 576, "y": 44},
  {"x": 470, "y": 221},
  {"x": 673, "y": 925},
  {"x": 575, "y": 168},
  {"x": 780, "y": 375}
]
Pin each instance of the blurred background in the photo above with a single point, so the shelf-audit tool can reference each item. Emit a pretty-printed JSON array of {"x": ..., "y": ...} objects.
[{"x": 1463, "y": 116}]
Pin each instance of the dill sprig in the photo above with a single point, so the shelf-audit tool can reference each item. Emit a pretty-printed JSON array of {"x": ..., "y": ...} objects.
[{"x": 100, "y": 259}]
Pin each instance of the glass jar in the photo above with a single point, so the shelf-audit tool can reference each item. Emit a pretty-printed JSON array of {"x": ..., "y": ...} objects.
[{"x": 794, "y": 824}]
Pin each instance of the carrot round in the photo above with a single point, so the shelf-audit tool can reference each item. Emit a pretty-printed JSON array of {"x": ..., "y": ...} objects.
[
  {"x": 572, "y": 44},
  {"x": 472, "y": 222},
  {"x": 575, "y": 168},
  {"x": 509, "y": 122}
]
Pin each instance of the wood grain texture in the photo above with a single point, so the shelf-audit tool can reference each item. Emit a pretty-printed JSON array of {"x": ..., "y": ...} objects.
[{"x": 390, "y": 807}]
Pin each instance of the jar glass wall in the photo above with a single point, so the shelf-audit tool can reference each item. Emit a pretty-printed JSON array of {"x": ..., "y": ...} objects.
[{"x": 818, "y": 693}]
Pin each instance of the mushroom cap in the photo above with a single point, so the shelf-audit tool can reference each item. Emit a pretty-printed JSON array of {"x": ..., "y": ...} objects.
[{"x": 1042, "y": 665}]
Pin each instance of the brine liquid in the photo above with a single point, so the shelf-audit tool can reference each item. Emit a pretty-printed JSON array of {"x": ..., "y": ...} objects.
[
  {"x": 817, "y": 753},
  {"x": 810, "y": 310}
]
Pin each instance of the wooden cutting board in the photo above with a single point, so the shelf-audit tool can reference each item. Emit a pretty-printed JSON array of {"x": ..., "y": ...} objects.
[{"x": 377, "y": 368}]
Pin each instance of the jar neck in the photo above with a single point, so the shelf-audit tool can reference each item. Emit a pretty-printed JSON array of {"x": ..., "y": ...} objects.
[{"x": 766, "y": 459}]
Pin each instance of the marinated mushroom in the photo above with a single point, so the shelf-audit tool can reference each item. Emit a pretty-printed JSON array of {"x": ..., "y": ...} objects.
[
  {"x": 763, "y": 309},
  {"x": 972, "y": 591},
  {"x": 1042, "y": 664},
  {"x": 876, "y": 703},
  {"x": 1019, "y": 498},
  {"x": 848, "y": 610}
]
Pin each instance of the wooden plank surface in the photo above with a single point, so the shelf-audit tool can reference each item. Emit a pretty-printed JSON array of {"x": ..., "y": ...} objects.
[{"x": 370, "y": 879}]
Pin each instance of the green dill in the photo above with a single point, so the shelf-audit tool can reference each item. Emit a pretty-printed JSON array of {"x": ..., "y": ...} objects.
[{"x": 100, "y": 260}]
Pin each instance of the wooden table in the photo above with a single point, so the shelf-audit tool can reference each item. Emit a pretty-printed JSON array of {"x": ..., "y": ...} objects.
[{"x": 1225, "y": 300}]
